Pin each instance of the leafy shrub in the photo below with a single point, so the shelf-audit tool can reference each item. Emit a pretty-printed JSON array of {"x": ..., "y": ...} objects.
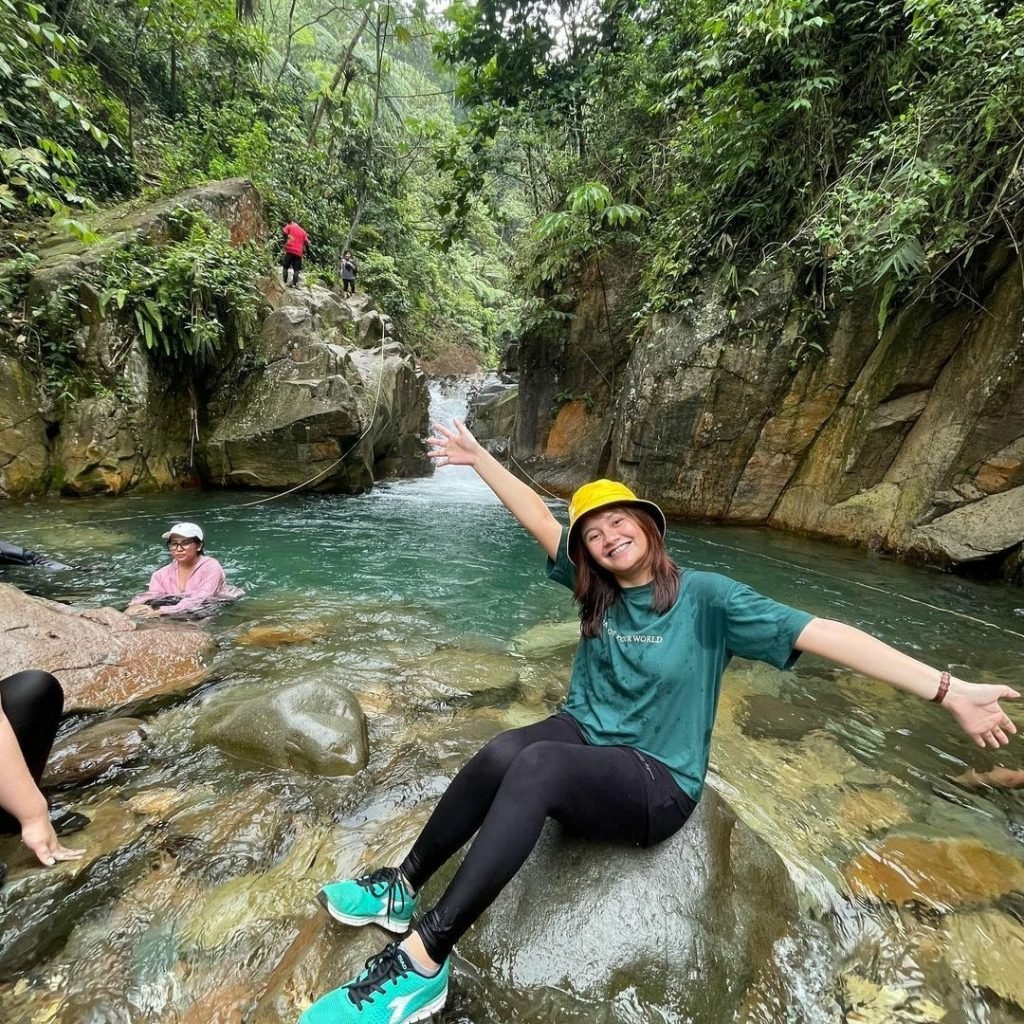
[{"x": 190, "y": 299}]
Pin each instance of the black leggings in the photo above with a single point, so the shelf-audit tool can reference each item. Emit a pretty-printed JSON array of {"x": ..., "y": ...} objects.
[
  {"x": 294, "y": 263},
  {"x": 509, "y": 788},
  {"x": 32, "y": 702}
]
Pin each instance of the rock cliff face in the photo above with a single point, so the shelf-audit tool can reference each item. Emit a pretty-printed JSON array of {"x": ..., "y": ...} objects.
[
  {"x": 910, "y": 439},
  {"x": 323, "y": 389},
  {"x": 317, "y": 405}
]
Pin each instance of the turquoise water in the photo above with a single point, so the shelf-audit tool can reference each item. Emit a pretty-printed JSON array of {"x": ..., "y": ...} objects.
[
  {"x": 446, "y": 545},
  {"x": 443, "y": 551}
]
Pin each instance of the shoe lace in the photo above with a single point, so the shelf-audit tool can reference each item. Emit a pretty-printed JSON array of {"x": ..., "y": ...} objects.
[
  {"x": 387, "y": 965},
  {"x": 385, "y": 881}
]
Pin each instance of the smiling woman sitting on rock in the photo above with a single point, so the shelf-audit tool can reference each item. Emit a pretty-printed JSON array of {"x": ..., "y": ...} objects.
[
  {"x": 625, "y": 759},
  {"x": 190, "y": 582}
]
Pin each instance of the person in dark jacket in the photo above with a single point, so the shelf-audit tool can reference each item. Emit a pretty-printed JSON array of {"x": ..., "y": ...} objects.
[{"x": 349, "y": 270}]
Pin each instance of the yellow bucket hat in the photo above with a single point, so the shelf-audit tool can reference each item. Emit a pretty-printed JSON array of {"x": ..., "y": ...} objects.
[{"x": 600, "y": 493}]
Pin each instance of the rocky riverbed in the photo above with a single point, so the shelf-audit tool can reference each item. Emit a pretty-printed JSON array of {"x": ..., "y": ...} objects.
[{"x": 808, "y": 887}]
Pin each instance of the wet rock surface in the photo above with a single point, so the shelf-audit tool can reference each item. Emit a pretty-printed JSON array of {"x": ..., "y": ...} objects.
[
  {"x": 938, "y": 872},
  {"x": 314, "y": 727},
  {"x": 94, "y": 750},
  {"x": 101, "y": 657},
  {"x": 580, "y": 917},
  {"x": 987, "y": 949}
]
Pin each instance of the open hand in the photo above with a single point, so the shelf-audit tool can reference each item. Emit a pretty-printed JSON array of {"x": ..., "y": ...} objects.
[
  {"x": 38, "y": 835},
  {"x": 141, "y": 611},
  {"x": 454, "y": 446},
  {"x": 975, "y": 706}
]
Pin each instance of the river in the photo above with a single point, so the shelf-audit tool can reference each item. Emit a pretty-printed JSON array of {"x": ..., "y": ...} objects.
[{"x": 414, "y": 595}]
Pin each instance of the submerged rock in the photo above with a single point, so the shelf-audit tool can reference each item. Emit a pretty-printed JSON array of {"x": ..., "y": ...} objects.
[
  {"x": 765, "y": 716},
  {"x": 101, "y": 657},
  {"x": 282, "y": 635},
  {"x": 313, "y": 727},
  {"x": 938, "y": 872},
  {"x": 91, "y": 751},
  {"x": 548, "y": 637},
  {"x": 39, "y": 907},
  {"x": 995, "y": 778},
  {"x": 868, "y": 1003},
  {"x": 987, "y": 949}
]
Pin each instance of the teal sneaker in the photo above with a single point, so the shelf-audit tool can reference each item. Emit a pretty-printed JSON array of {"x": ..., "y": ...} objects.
[
  {"x": 378, "y": 898},
  {"x": 388, "y": 991}
]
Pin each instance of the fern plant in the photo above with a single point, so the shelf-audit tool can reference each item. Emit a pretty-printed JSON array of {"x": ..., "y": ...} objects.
[{"x": 188, "y": 299}]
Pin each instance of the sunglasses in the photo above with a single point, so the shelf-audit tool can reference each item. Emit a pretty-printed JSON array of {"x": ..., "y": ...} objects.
[{"x": 180, "y": 544}]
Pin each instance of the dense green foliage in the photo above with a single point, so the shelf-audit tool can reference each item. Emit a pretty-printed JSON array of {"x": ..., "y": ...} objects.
[
  {"x": 189, "y": 298},
  {"x": 334, "y": 110},
  {"x": 866, "y": 143},
  {"x": 48, "y": 140},
  {"x": 869, "y": 143}
]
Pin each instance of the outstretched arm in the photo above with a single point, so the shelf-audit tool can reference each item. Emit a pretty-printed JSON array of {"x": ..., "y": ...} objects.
[
  {"x": 975, "y": 706},
  {"x": 456, "y": 446}
]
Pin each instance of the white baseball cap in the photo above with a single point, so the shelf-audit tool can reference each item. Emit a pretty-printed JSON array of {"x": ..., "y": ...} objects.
[{"x": 184, "y": 530}]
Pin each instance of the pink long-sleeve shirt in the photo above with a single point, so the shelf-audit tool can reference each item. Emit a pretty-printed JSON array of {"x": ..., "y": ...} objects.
[{"x": 207, "y": 583}]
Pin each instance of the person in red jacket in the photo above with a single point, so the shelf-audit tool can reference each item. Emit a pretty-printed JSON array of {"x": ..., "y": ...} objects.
[{"x": 295, "y": 244}]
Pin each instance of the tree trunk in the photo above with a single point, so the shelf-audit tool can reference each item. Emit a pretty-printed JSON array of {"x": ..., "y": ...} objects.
[
  {"x": 174, "y": 79},
  {"x": 324, "y": 101},
  {"x": 381, "y": 39},
  {"x": 288, "y": 44}
]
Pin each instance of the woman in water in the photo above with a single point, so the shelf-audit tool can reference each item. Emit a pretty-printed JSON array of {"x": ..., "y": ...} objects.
[
  {"x": 625, "y": 759},
  {"x": 192, "y": 580}
]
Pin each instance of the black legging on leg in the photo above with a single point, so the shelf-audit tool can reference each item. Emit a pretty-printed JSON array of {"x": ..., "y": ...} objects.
[
  {"x": 32, "y": 703},
  {"x": 507, "y": 791},
  {"x": 291, "y": 262}
]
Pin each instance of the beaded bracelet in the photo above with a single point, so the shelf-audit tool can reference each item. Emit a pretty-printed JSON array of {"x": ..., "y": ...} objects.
[{"x": 943, "y": 689}]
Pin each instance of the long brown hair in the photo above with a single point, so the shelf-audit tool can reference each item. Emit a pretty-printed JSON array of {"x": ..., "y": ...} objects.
[{"x": 597, "y": 589}]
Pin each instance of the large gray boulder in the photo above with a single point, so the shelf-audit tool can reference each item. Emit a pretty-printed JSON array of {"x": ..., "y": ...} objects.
[
  {"x": 315, "y": 727},
  {"x": 324, "y": 393},
  {"x": 983, "y": 528},
  {"x": 126, "y": 424},
  {"x": 492, "y": 415},
  {"x": 690, "y": 926},
  {"x": 318, "y": 407}
]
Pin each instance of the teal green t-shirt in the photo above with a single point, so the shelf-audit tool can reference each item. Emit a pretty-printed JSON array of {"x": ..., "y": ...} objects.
[{"x": 652, "y": 681}]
